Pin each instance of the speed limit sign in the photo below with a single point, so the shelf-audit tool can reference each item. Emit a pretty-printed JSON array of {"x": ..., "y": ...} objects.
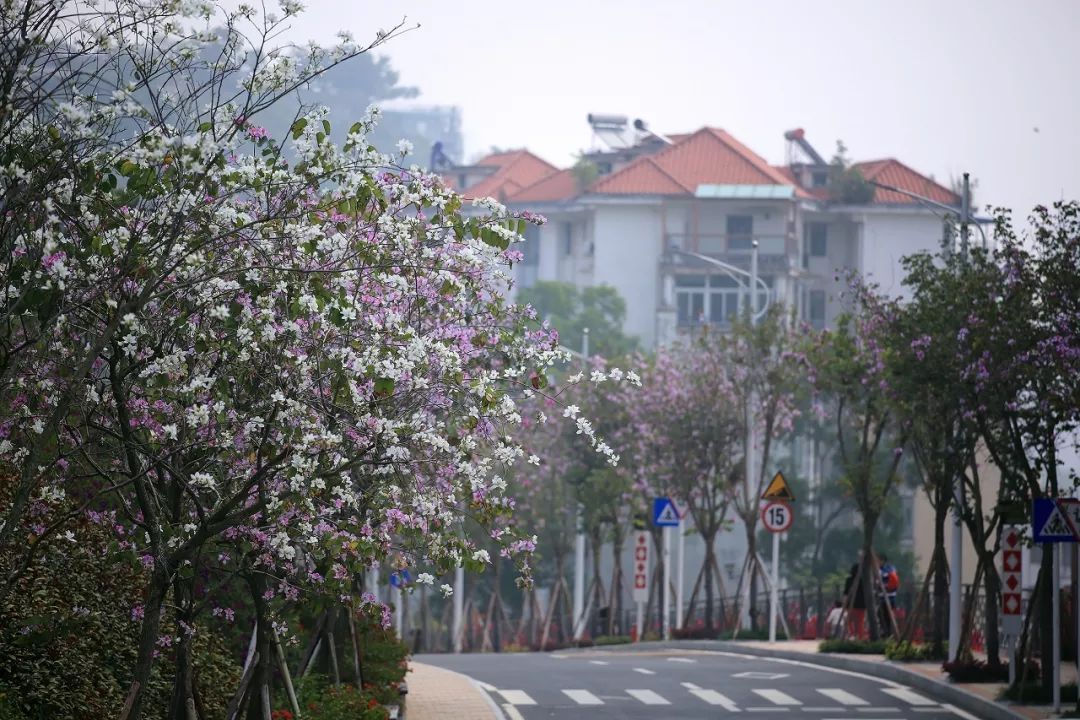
[{"x": 777, "y": 517}]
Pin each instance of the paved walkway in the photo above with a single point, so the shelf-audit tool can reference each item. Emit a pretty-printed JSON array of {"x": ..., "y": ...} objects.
[{"x": 437, "y": 694}]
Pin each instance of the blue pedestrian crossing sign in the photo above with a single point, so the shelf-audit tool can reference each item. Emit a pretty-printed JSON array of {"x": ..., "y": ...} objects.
[
  {"x": 664, "y": 513},
  {"x": 1055, "y": 521}
]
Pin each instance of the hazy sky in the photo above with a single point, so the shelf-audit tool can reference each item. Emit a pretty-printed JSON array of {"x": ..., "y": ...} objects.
[{"x": 991, "y": 87}]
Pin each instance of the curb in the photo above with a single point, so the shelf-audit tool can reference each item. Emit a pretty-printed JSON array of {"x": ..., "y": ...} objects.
[{"x": 962, "y": 699}]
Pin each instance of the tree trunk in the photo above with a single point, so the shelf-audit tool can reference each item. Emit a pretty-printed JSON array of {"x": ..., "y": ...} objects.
[
  {"x": 616, "y": 604},
  {"x": 148, "y": 637},
  {"x": 992, "y": 583},
  {"x": 710, "y": 593},
  {"x": 751, "y": 553},
  {"x": 941, "y": 580},
  {"x": 868, "y": 579}
]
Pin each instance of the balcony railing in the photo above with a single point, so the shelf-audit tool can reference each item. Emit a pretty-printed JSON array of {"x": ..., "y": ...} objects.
[{"x": 726, "y": 244}]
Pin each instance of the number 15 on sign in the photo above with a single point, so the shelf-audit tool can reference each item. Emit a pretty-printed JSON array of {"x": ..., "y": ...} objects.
[{"x": 777, "y": 517}]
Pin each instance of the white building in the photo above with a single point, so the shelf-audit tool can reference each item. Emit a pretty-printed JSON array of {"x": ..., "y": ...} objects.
[{"x": 707, "y": 193}]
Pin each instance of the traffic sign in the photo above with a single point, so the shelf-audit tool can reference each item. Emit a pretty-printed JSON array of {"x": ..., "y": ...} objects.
[
  {"x": 664, "y": 513},
  {"x": 777, "y": 517},
  {"x": 778, "y": 489},
  {"x": 1055, "y": 520},
  {"x": 641, "y": 567},
  {"x": 1012, "y": 578}
]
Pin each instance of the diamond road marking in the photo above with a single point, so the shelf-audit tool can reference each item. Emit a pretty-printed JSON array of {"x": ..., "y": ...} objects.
[
  {"x": 842, "y": 696},
  {"x": 517, "y": 697},
  {"x": 648, "y": 697},
  {"x": 583, "y": 697},
  {"x": 714, "y": 698},
  {"x": 760, "y": 675},
  {"x": 777, "y": 697}
]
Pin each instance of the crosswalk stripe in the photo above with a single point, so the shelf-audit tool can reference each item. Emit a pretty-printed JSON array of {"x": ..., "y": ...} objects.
[
  {"x": 517, "y": 697},
  {"x": 690, "y": 686},
  {"x": 714, "y": 698},
  {"x": 777, "y": 697},
  {"x": 512, "y": 712},
  {"x": 648, "y": 697},
  {"x": 644, "y": 671},
  {"x": 842, "y": 696},
  {"x": 909, "y": 696},
  {"x": 583, "y": 697}
]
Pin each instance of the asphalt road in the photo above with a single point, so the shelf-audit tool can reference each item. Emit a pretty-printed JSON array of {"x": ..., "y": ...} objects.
[{"x": 691, "y": 684}]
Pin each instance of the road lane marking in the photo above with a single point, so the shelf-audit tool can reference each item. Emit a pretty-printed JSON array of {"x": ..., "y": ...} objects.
[
  {"x": 485, "y": 686},
  {"x": 559, "y": 657},
  {"x": 957, "y": 711},
  {"x": 842, "y": 696},
  {"x": 768, "y": 709},
  {"x": 802, "y": 663},
  {"x": 517, "y": 697},
  {"x": 907, "y": 695},
  {"x": 681, "y": 659},
  {"x": 647, "y": 697},
  {"x": 583, "y": 697},
  {"x": 879, "y": 709},
  {"x": 777, "y": 697},
  {"x": 690, "y": 686},
  {"x": 599, "y": 662},
  {"x": 512, "y": 712},
  {"x": 644, "y": 671},
  {"x": 714, "y": 698}
]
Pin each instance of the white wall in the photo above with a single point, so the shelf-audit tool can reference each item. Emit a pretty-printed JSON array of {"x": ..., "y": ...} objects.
[
  {"x": 886, "y": 238},
  {"x": 628, "y": 242}
]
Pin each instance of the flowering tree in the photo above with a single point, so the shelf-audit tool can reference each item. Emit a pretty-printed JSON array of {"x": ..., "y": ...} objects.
[
  {"x": 272, "y": 372},
  {"x": 688, "y": 433},
  {"x": 850, "y": 372}
]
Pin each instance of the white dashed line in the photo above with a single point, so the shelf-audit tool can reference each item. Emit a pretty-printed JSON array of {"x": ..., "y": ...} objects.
[
  {"x": 644, "y": 671},
  {"x": 681, "y": 659},
  {"x": 583, "y": 697},
  {"x": 842, "y": 696},
  {"x": 777, "y": 697},
  {"x": 647, "y": 697},
  {"x": 714, "y": 698},
  {"x": 516, "y": 697},
  {"x": 599, "y": 662},
  {"x": 907, "y": 695}
]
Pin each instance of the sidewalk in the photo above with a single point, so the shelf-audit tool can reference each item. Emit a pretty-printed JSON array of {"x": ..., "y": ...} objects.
[
  {"x": 931, "y": 671},
  {"x": 437, "y": 694}
]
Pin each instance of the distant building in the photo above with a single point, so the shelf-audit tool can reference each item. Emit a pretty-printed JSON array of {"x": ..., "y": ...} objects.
[{"x": 652, "y": 199}]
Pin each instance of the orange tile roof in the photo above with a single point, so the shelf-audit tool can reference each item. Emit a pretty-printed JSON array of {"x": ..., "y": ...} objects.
[
  {"x": 559, "y": 185},
  {"x": 515, "y": 170},
  {"x": 893, "y": 172},
  {"x": 708, "y": 156}
]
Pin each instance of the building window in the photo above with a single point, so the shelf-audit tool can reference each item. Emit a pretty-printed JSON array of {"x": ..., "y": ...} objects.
[
  {"x": 819, "y": 178},
  {"x": 818, "y": 235},
  {"x": 714, "y": 299},
  {"x": 567, "y": 238},
  {"x": 462, "y": 181},
  {"x": 740, "y": 232},
  {"x": 817, "y": 309},
  {"x": 530, "y": 249}
]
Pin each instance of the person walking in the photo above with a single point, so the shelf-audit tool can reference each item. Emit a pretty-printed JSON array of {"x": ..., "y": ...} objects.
[{"x": 890, "y": 584}]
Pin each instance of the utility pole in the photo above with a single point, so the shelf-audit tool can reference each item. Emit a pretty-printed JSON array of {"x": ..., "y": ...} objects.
[
  {"x": 579, "y": 540},
  {"x": 956, "y": 569},
  {"x": 750, "y": 434},
  {"x": 459, "y": 604}
]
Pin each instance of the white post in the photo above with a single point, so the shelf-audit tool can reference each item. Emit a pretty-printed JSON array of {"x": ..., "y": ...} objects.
[
  {"x": 956, "y": 572},
  {"x": 579, "y": 539},
  {"x": 680, "y": 577},
  {"x": 751, "y": 305},
  {"x": 399, "y": 611},
  {"x": 666, "y": 595},
  {"x": 459, "y": 604},
  {"x": 640, "y": 621},
  {"x": 774, "y": 593},
  {"x": 1055, "y": 558}
]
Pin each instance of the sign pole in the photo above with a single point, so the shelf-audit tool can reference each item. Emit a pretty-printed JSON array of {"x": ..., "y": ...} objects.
[
  {"x": 641, "y": 579},
  {"x": 640, "y": 622},
  {"x": 679, "y": 580},
  {"x": 666, "y": 590},
  {"x": 775, "y": 593},
  {"x": 1055, "y": 558}
]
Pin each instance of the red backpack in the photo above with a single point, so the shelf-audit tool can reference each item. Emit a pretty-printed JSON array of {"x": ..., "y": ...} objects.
[{"x": 892, "y": 581}]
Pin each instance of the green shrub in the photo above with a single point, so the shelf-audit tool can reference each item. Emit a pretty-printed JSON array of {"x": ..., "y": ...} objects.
[
  {"x": 613, "y": 640},
  {"x": 859, "y": 647},
  {"x": 903, "y": 651},
  {"x": 1033, "y": 693},
  {"x": 320, "y": 700}
]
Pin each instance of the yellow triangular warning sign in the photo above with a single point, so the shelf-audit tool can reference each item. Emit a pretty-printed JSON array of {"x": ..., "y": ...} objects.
[{"x": 778, "y": 489}]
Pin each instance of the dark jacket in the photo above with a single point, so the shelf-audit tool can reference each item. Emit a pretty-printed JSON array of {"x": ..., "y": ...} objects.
[{"x": 858, "y": 602}]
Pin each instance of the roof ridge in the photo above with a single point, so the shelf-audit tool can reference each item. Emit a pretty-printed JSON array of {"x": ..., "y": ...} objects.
[
  {"x": 671, "y": 177},
  {"x": 759, "y": 163}
]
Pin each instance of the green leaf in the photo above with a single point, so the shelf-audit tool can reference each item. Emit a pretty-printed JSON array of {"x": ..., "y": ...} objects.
[
  {"x": 384, "y": 387},
  {"x": 298, "y": 127}
]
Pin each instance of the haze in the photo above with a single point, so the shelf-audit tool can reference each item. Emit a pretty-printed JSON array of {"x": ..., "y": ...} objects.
[{"x": 987, "y": 87}]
